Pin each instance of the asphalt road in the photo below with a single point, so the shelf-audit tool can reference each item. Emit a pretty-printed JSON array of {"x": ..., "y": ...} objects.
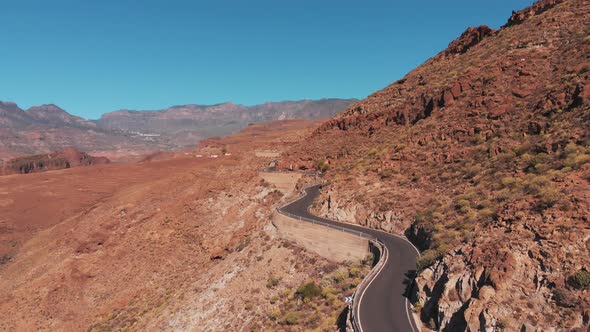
[{"x": 382, "y": 307}]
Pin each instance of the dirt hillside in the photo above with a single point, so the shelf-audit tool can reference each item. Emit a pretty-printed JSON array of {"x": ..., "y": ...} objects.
[{"x": 182, "y": 243}]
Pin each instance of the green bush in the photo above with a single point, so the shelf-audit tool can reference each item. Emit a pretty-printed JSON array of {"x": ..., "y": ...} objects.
[
  {"x": 576, "y": 156},
  {"x": 386, "y": 173},
  {"x": 308, "y": 291},
  {"x": 487, "y": 214},
  {"x": 548, "y": 197},
  {"x": 571, "y": 148},
  {"x": 522, "y": 149},
  {"x": 291, "y": 318},
  {"x": 462, "y": 205},
  {"x": 566, "y": 169},
  {"x": 272, "y": 282},
  {"x": 354, "y": 272},
  {"x": 274, "y": 314},
  {"x": 580, "y": 279},
  {"x": 510, "y": 182},
  {"x": 424, "y": 215},
  {"x": 502, "y": 324},
  {"x": 340, "y": 275},
  {"x": 428, "y": 258},
  {"x": 322, "y": 166}
]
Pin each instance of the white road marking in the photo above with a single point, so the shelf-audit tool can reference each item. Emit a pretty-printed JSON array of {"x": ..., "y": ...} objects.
[{"x": 384, "y": 256}]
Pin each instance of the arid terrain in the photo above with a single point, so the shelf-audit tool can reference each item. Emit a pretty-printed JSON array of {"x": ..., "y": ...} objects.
[
  {"x": 481, "y": 156},
  {"x": 175, "y": 243}
]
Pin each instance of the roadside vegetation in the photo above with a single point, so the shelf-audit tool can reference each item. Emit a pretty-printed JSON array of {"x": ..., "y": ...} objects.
[
  {"x": 317, "y": 304},
  {"x": 504, "y": 173},
  {"x": 524, "y": 175}
]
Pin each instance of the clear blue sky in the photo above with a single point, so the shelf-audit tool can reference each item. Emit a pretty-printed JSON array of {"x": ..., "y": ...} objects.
[{"x": 92, "y": 57}]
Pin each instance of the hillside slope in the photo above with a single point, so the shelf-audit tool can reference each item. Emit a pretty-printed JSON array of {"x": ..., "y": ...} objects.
[
  {"x": 481, "y": 156},
  {"x": 183, "y": 243}
]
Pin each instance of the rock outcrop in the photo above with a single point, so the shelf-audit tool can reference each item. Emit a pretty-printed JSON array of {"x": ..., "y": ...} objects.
[
  {"x": 469, "y": 38},
  {"x": 537, "y": 8},
  {"x": 67, "y": 158}
]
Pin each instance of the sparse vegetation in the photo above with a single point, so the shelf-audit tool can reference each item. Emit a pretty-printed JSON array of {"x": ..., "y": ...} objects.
[
  {"x": 316, "y": 304},
  {"x": 428, "y": 258},
  {"x": 483, "y": 158},
  {"x": 502, "y": 324},
  {"x": 272, "y": 282},
  {"x": 564, "y": 298},
  {"x": 308, "y": 291},
  {"x": 292, "y": 318},
  {"x": 322, "y": 166},
  {"x": 580, "y": 279}
]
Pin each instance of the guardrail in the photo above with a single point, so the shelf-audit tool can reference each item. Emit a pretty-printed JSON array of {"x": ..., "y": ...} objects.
[{"x": 356, "y": 297}]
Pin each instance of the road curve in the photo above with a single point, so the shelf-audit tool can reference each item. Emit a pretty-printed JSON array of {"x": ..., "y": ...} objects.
[{"x": 382, "y": 306}]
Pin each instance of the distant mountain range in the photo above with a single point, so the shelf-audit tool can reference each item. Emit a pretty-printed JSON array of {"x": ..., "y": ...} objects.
[{"x": 48, "y": 128}]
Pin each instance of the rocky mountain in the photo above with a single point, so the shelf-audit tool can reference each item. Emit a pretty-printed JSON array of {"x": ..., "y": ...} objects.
[
  {"x": 481, "y": 156},
  {"x": 53, "y": 115},
  {"x": 48, "y": 128},
  {"x": 220, "y": 119},
  {"x": 11, "y": 116},
  {"x": 67, "y": 158}
]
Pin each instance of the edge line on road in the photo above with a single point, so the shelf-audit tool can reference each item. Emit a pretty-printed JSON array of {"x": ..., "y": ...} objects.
[{"x": 385, "y": 256}]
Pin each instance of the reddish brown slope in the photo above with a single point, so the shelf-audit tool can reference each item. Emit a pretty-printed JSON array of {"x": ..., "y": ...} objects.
[
  {"x": 179, "y": 244},
  {"x": 481, "y": 155}
]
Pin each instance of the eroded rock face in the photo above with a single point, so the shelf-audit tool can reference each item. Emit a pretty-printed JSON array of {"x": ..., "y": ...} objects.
[
  {"x": 471, "y": 37},
  {"x": 354, "y": 212},
  {"x": 475, "y": 287},
  {"x": 67, "y": 158},
  {"x": 537, "y": 8}
]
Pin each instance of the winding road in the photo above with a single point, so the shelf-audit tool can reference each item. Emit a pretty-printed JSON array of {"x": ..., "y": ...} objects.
[{"x": 380, "y": 306}]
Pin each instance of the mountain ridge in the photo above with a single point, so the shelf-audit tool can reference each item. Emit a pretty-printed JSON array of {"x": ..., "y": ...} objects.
[
  {"x": 46, "y": 128},
  {"x": 147, "y": 119}
]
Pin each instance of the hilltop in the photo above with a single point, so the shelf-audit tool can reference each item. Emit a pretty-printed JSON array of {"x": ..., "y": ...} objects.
[{"x": 481, "y": 157}]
